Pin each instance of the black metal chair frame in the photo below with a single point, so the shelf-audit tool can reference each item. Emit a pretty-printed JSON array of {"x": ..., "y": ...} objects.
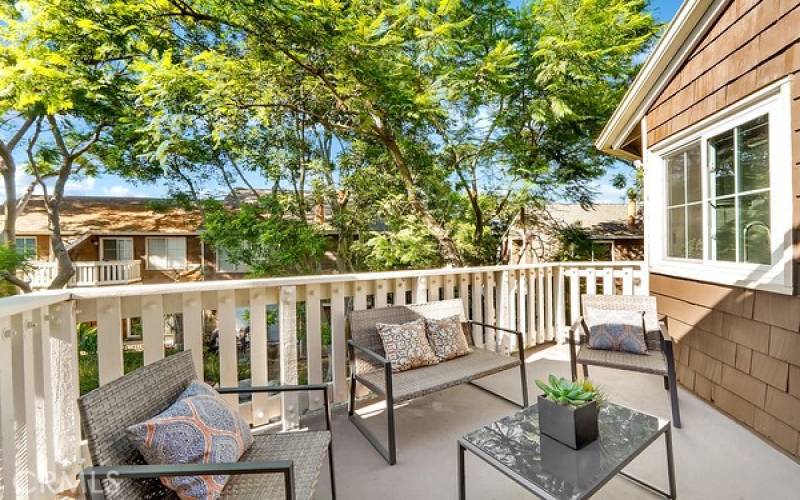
[
  {"x": 90, "y": 477},
  {"x": 390, "y": 453},
  {"x": 670, "y": 379}
]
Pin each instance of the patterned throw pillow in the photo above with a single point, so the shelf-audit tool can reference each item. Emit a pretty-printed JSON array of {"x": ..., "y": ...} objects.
[
  {"x": 612, "y": 330},
  {"x": 199, "y": 428},
  {"x": 447, "y": 338},
  {"x": 406, "y": 345}
]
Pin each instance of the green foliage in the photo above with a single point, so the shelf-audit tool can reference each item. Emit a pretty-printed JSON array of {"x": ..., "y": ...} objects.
[
  {"x": 573, "y": 244},
  {"x": 87, "y": 338},
  {"x": 566, "y": 393},
  {"x": 432, "y": 117},
  {"x": 261, "y": 235},
  {"x": 10, "y": 262},
  {"x": 407, "y": 248}
]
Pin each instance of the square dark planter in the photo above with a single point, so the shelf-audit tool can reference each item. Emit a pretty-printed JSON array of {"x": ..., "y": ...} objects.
[{"x": 573, "y": 426}]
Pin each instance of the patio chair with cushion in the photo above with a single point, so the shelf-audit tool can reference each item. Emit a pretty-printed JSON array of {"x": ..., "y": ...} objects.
[
  {"x": 370, "y": 368},
  {"x": 276, "y": 466},
  {"x": 658, "y": 358}
]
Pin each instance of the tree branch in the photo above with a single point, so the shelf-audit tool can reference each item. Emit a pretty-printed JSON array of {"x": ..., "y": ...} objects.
[
  {"x": 12, "y": 143},
  {"x": 23, "y": 285}
]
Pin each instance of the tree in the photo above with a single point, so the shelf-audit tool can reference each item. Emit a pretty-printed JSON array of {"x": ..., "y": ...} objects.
[
  {"x": 260, "y": 235},
  {"x": 64, "y": 86},
  {"x": 432, "y": 116}
]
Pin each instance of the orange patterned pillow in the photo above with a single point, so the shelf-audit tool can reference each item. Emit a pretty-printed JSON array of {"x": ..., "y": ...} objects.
[{"x": 199, "y": 428}]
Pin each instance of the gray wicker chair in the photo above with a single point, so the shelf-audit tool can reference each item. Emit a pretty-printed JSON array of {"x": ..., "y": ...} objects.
[
  {"x": 371, "y": 369},
  {"x": 276, "y": 466},
  {"x": 659, "y": 360}
]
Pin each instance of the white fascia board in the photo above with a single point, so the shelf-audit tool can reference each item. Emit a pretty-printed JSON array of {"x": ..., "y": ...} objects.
[{"x": 690, "y": 23}]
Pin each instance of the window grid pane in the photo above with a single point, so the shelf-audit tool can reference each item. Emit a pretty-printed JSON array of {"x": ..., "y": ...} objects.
[
  {"x": 684, "y": 212},
  {"x": 739, "y": 211}
]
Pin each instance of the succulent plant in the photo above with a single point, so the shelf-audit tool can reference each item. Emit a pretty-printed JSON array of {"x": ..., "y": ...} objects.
[{"x": 567, "y": 393}]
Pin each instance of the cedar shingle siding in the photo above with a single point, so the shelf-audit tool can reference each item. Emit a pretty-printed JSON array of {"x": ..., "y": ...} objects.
[{"x": 738, "y": 349}]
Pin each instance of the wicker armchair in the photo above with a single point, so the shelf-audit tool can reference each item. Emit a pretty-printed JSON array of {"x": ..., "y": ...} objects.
[
  {"x": 659, "y": 360},
  {"x": 276, "y": 466},
  {"x": 371, "y": 369}
]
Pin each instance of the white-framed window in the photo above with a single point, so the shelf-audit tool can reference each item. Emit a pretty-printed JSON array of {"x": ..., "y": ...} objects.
[
  {"x": 166, "y": 253},
  {"x": 224, "y": 264},
  {"x": 719, "y": 198},
  {"x": 116, "y": 249},
  {"x": 26, "y": 246}
]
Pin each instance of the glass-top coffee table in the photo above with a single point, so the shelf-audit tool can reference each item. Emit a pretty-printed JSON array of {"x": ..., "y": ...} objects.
[{"x": 514, "y": 446}]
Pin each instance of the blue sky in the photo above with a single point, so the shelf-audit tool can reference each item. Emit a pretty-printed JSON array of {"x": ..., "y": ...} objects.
[{"x": 109, "y": 185}]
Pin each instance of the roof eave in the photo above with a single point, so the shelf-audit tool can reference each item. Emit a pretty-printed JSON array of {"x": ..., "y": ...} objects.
[{"x": 683, "y": 33}]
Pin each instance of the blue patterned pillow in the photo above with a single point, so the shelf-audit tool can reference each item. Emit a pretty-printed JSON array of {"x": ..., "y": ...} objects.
[
  {"x": 620, "y": 330},
  {"x": 199, "y": 428}
]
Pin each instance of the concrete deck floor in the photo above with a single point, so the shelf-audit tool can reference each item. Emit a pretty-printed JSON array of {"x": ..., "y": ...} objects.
[{"x": 715, "y": 457}]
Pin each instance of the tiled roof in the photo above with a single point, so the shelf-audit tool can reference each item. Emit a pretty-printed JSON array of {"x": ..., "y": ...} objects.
[
  {"x": 601, "y": 221},
  {"x": 97, "y": 214}
]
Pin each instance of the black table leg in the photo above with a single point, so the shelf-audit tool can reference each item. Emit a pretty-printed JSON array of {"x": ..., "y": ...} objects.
[
  {"x": 670, "y": 463},
  {"x": 462, "y": 494}
]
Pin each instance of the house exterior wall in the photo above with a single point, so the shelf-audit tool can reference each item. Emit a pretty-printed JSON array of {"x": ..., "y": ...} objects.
[
  {"x": 89, "y": 250},
  {"x": 738, "y": 349},
  {"x": 211, "y": 271},
  {"x": 631, "y": 249},
  {"x": 42, "y": 247}
]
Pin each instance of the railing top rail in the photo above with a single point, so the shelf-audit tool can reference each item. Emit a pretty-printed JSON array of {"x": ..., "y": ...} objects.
[
  {"x": 20, "y": 303},
  {"x": 15, "y": 304},
  {"x": 127, "y": 290}
]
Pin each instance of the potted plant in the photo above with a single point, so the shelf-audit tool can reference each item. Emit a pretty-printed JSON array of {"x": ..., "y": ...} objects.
[{"x": 568, "y": 411}]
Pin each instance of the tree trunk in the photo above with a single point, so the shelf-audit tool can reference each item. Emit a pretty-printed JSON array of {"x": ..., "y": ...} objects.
[
  {"x": 447, "y": 246},
  {"x": 64, "y": 264},
  {"x": 10, "y": 222}
]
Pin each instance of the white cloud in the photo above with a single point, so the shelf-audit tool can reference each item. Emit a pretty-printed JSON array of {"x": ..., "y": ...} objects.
[
  {"x": 83, "y": 186},
  {"x": 117, "y": 190},
  {"x": 606, "y": 193}
]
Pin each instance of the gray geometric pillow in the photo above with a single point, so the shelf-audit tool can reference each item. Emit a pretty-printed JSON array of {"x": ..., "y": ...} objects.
[
  {"x": 447, "y": 337},
  {"x": 199, "y": 428},
  {"x": 406, "y": 346},
  {"x": 616, "y": 330}
]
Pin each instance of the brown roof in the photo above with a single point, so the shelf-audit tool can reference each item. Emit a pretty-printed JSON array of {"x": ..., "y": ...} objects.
[
  {"x": 601, "y": 221},
  {"x": 98, "y": 214}
]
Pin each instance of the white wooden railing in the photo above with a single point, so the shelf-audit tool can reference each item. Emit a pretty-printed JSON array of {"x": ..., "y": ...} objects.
[
  {"x": 93, "y": 273},
  {"x": 39, "y": 376}
]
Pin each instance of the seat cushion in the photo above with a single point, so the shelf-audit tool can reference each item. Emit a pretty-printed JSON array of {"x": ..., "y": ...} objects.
[
  {"x": 406, "y": 345},
  {"x": 306, "y": 449},
  {"x": 447, "y": 337},
  {"x": 199, "y": 428},
  {"x": 421, "y": 381},
  {"x": 650, "y": 362}
]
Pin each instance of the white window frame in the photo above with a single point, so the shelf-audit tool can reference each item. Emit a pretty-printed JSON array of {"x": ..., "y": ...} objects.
[
  {"x": 102, "y": 239},
  {"x": 150, "y": 266},
  {"x": 35, "y": 255},
  {"x": 239, "y": 268},
  {"x": 774, "y": 101}
]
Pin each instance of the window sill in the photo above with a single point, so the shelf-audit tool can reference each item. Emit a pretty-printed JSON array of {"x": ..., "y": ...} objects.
[{"x": 755, "y": 277}]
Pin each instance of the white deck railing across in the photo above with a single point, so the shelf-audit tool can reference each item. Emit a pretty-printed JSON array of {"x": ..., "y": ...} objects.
[
  {"x": 87, "y": 273},
  {"x": 40, "y": 448}
]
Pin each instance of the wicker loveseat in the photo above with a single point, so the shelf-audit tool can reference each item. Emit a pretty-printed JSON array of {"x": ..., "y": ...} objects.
[
  {"x": 659, "y": 360},
  {"x": 370, "y": 368},
  {"x": 276, "y": 466}
]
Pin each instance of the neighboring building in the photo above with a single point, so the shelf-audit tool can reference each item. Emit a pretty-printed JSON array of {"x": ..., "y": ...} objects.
[
  {"x": 613, "y": 229},
  {"x": 714, "y": 117},
  {"x": 121, "y": 240}
]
